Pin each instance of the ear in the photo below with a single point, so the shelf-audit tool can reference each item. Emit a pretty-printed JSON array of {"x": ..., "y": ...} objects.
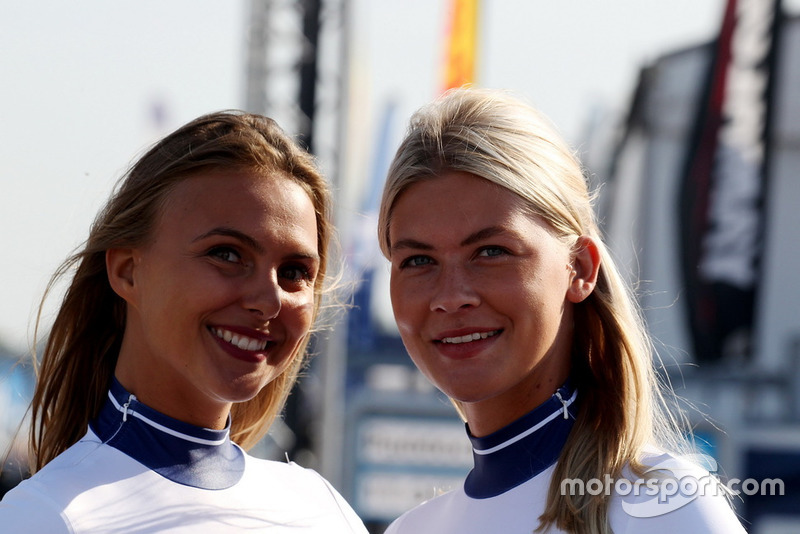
[
  {"x": 585, "y": 266},
  {"x": 120, "y": 266}
]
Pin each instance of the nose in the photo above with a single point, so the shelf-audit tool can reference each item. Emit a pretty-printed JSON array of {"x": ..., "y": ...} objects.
[
  {"x": 263, "y": 296},
  {"x": 453, "y": 291}
]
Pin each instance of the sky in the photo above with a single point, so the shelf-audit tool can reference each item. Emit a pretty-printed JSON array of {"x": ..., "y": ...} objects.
[{"x": 86, "y": 85}]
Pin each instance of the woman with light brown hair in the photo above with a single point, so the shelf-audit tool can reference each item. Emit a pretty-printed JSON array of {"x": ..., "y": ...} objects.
[
  {"x": 180, "y": 336},
  {"x": 508, "y": 301}
]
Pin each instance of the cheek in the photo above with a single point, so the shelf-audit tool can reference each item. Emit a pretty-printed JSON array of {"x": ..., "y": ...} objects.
[
  {"x": 402, "y": 307},
  {"x": 408, "y": 292},
  {"x": 298, "y": 314}
]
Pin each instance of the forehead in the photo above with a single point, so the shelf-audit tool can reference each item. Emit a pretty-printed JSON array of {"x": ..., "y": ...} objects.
[
  {"x": 250, "y": 201},
  {"x": 243, "y": 179},
  {"x": 454, "y": 201}
]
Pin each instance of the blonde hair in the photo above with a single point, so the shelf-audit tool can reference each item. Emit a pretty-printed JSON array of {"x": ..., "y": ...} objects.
[
  {"x": 495, "y": 136},
  {"x": 80, "y": 355}
]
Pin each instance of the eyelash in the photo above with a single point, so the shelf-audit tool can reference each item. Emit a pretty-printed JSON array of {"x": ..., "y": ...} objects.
[
  {"x": 305, "y": 272},
  {"x": 482, "y": 252},
  {"x": 218, "y": 252},
  {"x": 407, "y": 262},
  {"x": 501, "y": 251}
]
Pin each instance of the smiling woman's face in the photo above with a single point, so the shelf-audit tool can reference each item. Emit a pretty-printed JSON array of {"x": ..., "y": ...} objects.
[
  {"x": 222, "y": 296},
  {"x": 481, "y": 295}
]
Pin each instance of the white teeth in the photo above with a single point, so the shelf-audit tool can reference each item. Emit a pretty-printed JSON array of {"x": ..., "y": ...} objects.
[
  {"x": 470, "y": 337},
  {"x": 243, "y": 342}
]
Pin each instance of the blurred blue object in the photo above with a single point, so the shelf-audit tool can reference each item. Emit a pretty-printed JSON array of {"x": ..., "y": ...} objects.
[{"x": 16, "y": 388}]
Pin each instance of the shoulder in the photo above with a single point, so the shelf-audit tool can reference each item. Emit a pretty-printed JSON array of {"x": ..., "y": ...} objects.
[
  {"x": 674, "y": 493},
  {"x": 38, "y": 503},
  {"x": 86, "y": 464},
  {"x": 286, "y": 474},
  {"x": 301, "y": 491},
  {"x": 514, "y": 511},
  {"x": 290, "y": 479},
  {"x": 30, "y": 512},
  {"x": 425, "y": 516}
]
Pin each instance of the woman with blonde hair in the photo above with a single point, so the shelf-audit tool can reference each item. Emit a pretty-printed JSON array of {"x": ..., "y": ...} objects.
[
  {"x": 508, "y": 301},
  {"x": 181, "y": 333}
]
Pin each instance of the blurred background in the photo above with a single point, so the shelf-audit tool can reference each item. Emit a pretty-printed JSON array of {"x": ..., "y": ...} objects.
[{"x": 685, "y": 114}]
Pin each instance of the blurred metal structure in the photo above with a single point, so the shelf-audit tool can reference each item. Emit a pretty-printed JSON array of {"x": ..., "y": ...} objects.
[{"x": 296, "y": 70}]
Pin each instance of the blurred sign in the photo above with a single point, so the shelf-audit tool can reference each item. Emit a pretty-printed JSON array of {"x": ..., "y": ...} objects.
[
  {"x": 387, "y": 495},
  {"x": 402, "y": 461},
  {"x": 414, "y": 442}
]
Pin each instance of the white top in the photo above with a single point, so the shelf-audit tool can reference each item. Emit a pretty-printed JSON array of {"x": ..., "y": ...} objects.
[
  {"x": 96, "y": 487},
  {"x": 506, "y": 492},
  {"x": 517, "y": 511}
]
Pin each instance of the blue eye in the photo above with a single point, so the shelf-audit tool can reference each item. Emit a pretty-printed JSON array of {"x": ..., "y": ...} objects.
[
  {"x": 492, "y": 251},
  {"x": 416, "y": 261}
]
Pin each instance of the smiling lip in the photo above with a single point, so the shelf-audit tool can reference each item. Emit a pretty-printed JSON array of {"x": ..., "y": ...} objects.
[
  {"x": 467, "y": 338},
  {"x": 465, "y": 342},
  {"x": 244, "y": 344},
  {"x": 466, "y": 335}
]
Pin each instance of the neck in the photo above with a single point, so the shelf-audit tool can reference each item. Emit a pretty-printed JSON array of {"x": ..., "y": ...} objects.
[
  {"x": 161, "y": 388},
  {"x": 488, "y": 416},
  {"x": 187, "y": 454},
  {"x": 521, "y": 450}
]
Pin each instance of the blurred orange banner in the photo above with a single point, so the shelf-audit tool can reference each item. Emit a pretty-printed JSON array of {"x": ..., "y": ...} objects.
[{"x": 462, "y": 43}]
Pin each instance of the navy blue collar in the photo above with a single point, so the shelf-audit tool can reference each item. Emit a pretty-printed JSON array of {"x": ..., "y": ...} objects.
[
  {"x": 518, "y": 452},
  {"x": 199, "y": 457}
]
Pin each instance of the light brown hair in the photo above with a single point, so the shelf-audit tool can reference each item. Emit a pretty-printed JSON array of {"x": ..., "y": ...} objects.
[{"x": 80, "y": 355}]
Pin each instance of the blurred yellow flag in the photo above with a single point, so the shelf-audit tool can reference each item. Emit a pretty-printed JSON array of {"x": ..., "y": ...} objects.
[{"x": 462, "y": 43}]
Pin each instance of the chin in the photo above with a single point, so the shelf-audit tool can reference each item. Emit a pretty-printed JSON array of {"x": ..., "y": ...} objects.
[
  {"x": 244, "y": 397},
  {"x": 465, "y": 395},
  {"x": 243, "y": 392}
]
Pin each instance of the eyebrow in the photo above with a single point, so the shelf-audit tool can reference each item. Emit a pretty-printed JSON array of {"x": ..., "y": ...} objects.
[
  {"x": 486, "y": 233},
  {"x": 227, "y": 231},
  {"x": 471, "y": 239}
]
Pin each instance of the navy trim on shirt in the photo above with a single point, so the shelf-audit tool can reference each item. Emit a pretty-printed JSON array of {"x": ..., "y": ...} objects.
[
  {"x": 518, "y": 452},
  {"x": 193, "y": 456}
]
